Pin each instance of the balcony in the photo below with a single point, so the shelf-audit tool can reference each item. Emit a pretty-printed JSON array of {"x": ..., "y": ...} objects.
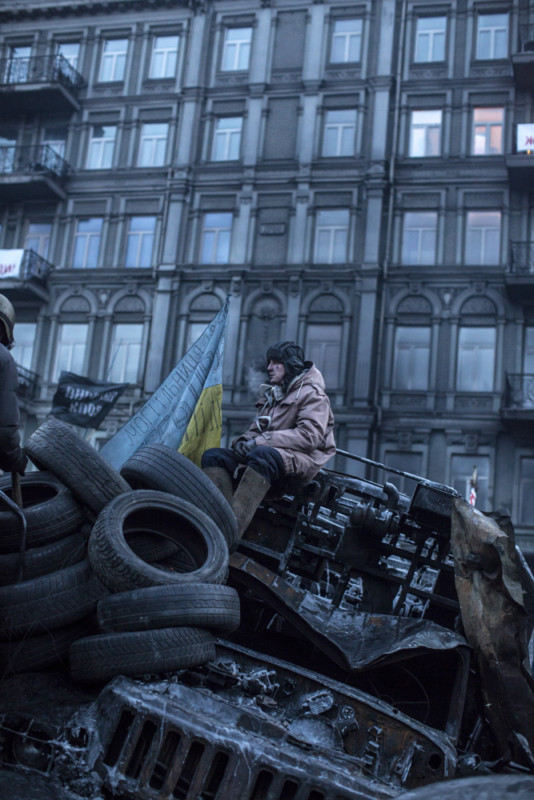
[
  {"x": 518, "y": 401},
  {"x": 519, "y": 277},
  {"x": 520, "y": 164},
  {"x": 28, "y": 384},
  {"x": 523, "y": 60},
  {"x": 34, "y": 172},
  {"x": 37, "y": 84},
  {"x": 24, "y": 276}
]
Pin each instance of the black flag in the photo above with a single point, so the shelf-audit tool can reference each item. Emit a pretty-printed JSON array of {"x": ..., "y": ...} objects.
[{"x": 83, "y": 401}]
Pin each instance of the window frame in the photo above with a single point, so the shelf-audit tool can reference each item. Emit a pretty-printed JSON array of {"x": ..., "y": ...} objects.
[
  {"x": 114, "y": 58},
  {"x": 428, "y": 127},
  {"x": 79, "y": 366},
  {"x": 419, "y": 261},
  {"x": 340, "y": 126},
  {"x": 165, "y": 52},
  {"x": 235, "y": 60},
  {"x": 89, "y": 236},
  {"x": 358, "y": 34},
  {"x": 143, "y": 234},
  {"x": 42, "y": 238},
  {"x": 413, "y": 349},
  {"x": 473, "y": 370},
  {"x": 489, "y": 126},
  {"x": 122, "y": 377},
  {"x": 333, "y": 228},
  {"x": 486, "y": 246},
  {"x": 431, "y": 46},
  {"x": 479, "y": 30},
  {"x": 101, "y": 146},
  {"x": 216, "y": 230},
  {"x": 227, "y": 136},
  {"x": 155, "y": 139}
]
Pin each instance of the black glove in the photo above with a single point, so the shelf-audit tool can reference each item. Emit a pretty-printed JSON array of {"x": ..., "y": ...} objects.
[{"x": 243, "y": 447}]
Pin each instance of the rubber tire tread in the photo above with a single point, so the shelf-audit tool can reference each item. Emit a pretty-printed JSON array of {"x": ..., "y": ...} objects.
[
  {"x": 43, "y": 560},
  {"x": 156, "y": 466},
  {"x": 210, "y": 606},
  {"x": 49, "y": 602},
  {"x": 35, "y": 653},
  {"x": 92, "y": 481},
  {"x": 47, "y": 521},
  {"x": 136, "y": 653},
  {"x": 120, "y": 569}
]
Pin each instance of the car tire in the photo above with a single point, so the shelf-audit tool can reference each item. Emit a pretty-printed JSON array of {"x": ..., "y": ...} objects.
[
  {"x": 94, "y": 482},
  {"x": 202, "y": 605},
  {"x": 156, "y": 466},
  {"x": 39, "y": 561},
  {"x": 49, "y": 602},
  {"x": 202, "y": 552},
  {"x": 50, "y": 510},
  {"x": 34, "y": 653},
  {"x": 136, "y": 653}
]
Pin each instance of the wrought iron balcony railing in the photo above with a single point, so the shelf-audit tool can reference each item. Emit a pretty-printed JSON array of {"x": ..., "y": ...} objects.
[
  {"x": 39, "y": 69},
  {"x": 519, "y": 393},
  {"x": 32, "y": 159},
  {"x": 522, "y": 262},
  {"x": 35, "y": 267},
  {"x": 28, "y": 383}
]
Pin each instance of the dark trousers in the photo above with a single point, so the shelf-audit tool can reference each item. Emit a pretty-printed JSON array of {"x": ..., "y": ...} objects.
[{"x": 265, "y": 460}]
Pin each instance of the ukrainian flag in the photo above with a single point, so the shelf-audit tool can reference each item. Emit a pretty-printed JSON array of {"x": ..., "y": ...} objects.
[{"x": 185, "y": 411}]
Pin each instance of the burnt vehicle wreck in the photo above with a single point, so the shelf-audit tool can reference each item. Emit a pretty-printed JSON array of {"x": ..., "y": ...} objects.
[{"x": 354, "y": 671}]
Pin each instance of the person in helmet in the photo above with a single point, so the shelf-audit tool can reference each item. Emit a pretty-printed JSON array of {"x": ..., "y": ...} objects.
[
  {"x": 288, "y": 441},
  {"x": 12, "y": 456}
]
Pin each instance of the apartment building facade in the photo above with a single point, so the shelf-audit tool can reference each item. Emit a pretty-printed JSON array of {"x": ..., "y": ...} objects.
[{"x": 351, "y": 173}]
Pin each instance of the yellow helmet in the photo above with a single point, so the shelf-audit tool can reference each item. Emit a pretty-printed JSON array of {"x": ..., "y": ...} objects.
[{"x": 7, "y": 318}]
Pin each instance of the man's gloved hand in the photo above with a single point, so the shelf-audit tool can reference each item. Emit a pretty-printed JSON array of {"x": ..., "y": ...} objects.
[{"x": 243, "y": 447}]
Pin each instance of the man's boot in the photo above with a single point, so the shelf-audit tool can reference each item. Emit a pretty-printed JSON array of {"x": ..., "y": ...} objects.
[
  {"x": 222, "y": 480},
  {"x": 250, "y": 491}
]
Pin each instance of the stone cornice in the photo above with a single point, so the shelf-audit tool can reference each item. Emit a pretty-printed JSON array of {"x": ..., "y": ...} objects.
[{"x": 31, "y": 9}]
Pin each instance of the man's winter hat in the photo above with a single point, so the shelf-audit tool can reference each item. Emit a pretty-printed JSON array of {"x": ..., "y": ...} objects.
[{"x": 290, "y": 354}]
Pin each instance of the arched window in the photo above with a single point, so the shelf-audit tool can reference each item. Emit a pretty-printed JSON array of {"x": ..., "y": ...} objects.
[
  {"x": 477, "y": 346},
  {"x": 324, "y": 336},
  {"x": 412, "y": 345}
]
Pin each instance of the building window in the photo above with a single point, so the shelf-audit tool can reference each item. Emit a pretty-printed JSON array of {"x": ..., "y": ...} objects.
[
  {"x": 38, "y": 238},
  {"x": 101, "y": 146},
  {"x": 487, "y": 131},
  {"x": 140, "y": 241},
  {"x": 70, "y": 349},
  {"x": 152, "y": 144},
  {"x": 125, "y": 353},
  {"x": 23, "y": 351},
  {"x": 87, "y": 243},
  {"x": 430, "y": 39},
  {"x": 425, "y": 134},
  {"x": 492, "y": 36},
  {"x": 346, "y": 41},
  {"x": 56, "y": 139},
  {"x": 462, "y": 468},
  {"x": 8, "y": 147},
  {"x": 526, "y": 491},
  {"x": 236, "y": 49},
  {"x": 70, "y": 52},
  {"x": 331, "y": 236},
  {"x": 17, "y": 66},
  {"x": 528, "y": 351},
  {"x": 164, "y": 57},
  {"x": 483, "y": 237},
  {"x": 113, "y": 61},
  {"x": 339, "y": 132},
  {"x": 411, "y": 359},
  {"x": 419, "y": 237},
  {"x": 227, "y": 139},
  {"x": 323, "y": 347},
  {"x": 476, "y": 359},
  {"x": 216, "y": 238}
]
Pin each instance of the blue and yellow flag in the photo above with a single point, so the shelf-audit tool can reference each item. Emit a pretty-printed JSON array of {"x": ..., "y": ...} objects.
[{"x": 185, "y": 412}]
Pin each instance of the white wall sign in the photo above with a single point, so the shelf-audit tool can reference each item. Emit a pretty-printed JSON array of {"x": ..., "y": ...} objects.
[
  {"x": 525, "y": 138},
  {"x": 10, "y": 263}
]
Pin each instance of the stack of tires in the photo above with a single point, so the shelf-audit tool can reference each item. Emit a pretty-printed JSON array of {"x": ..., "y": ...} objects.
[{"x": 155, "y": 561}]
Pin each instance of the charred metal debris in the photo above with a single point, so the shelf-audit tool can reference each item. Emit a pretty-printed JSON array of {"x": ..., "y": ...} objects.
[{"x": 353, "y": 673}]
